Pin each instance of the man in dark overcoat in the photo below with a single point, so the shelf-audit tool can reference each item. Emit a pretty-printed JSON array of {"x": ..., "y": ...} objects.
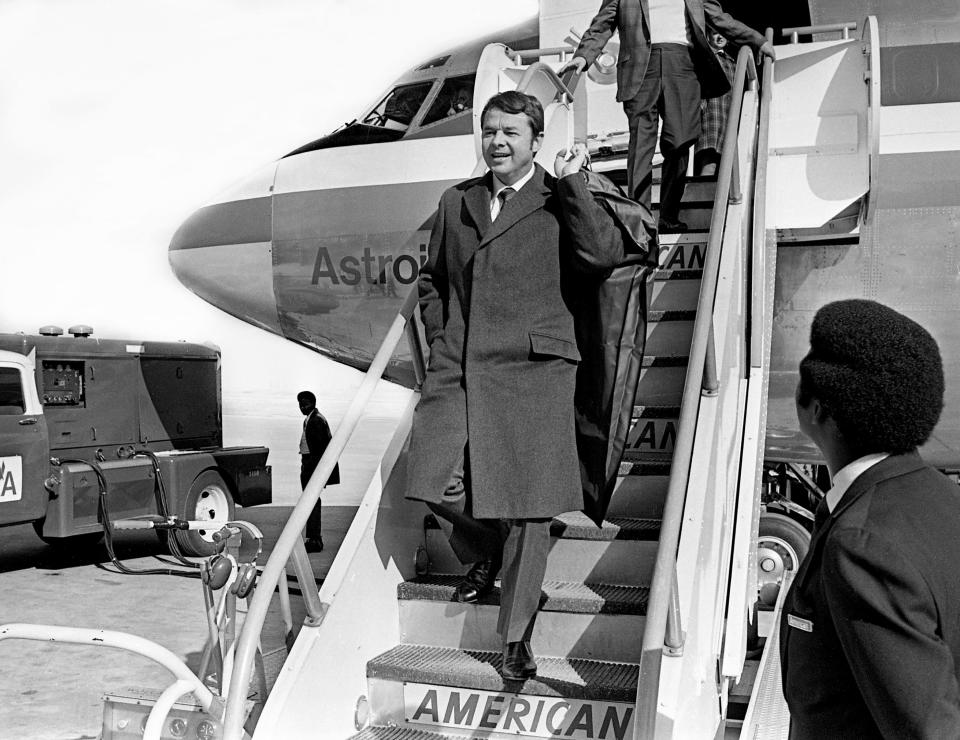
[
  {"x": 870, "y": 629},
  {"x": 497, "y": 298},
  {"x": 313, "y": 443},
  {"x": 665, "y": 67}
]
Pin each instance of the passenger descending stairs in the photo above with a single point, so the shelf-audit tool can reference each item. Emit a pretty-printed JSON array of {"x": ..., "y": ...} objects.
[{"x": 443, "y": 679}]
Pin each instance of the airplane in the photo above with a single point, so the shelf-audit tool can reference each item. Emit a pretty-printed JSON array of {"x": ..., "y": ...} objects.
[{"x": 861, "y": 200}]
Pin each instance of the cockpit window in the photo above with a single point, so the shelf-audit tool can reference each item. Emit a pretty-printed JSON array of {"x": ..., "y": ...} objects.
[
  {"x": 434, "y": 63},
  {"x": 456, "y": 96},
  {"x": 398, "y": 108}
]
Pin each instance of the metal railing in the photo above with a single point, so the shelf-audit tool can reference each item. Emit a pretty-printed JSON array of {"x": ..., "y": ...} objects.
[
  {"x": 289, "y": 543},
  {"x": 663, "y": 630},
  {"x": 843, "y": 29},
  {"x": 186, "y": 682}
]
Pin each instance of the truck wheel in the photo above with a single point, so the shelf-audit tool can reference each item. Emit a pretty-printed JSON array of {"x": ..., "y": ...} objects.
[
  {"x": 781, "y": 545},
  {"x": 208, "y": 499},
  {"x": 77, "y": 541}
]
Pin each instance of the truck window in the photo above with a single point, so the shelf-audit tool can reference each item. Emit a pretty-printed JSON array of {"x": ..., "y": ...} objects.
[
  {"x": 11, "y": 392},
  {"x": 63, "y": 383}
]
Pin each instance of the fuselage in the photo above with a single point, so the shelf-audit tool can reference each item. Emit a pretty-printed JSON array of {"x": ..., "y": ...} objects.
[{"x": 322, "y": 246}]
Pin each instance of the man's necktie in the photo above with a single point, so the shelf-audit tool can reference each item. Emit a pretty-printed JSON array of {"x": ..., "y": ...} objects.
[
  {"x": 502, "y": 197},
  {"x": 821, "y": 514}
]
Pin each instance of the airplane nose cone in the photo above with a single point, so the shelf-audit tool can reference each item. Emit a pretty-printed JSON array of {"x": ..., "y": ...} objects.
[{"x": 223, "y": 254}]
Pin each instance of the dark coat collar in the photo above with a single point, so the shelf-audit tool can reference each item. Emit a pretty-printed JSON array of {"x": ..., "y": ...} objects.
[{"x": 891, "y": 467}]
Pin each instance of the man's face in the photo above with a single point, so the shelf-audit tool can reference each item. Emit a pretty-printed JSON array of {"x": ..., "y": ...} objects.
[
  {"x": 306, "y": 406},
  {"x": 509, "y": 145},
  {"x": 717, "y": 41}
]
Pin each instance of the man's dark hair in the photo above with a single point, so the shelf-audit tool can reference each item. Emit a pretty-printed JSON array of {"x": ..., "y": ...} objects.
[
  {"x": 877, "y": 373},
  {"x": 307, "y": 396},
  {"x": 515, "y": 102}
]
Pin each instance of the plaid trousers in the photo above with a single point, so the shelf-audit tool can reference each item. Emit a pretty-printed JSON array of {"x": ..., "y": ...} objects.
[{"x": 714, "y": 111}]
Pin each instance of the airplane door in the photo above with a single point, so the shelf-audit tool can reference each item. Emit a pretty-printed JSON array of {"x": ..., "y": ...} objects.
[{"x": 24, "y": 448}]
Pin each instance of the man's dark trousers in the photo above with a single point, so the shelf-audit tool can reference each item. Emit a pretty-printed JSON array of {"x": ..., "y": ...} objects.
[
  {"x": 670, "y": 91},
  {"x": 308, "y": 463},
  {"x": 523, "y": 544}
]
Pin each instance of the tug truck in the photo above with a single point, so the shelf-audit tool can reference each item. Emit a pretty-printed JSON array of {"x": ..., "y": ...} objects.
[{"x": 94, "y": 429}]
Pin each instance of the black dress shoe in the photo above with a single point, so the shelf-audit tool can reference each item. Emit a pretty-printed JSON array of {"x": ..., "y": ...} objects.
[
  {"x": 666, "y": 226},
  {"x": 314, "y": 544},
  {"x": 518, "y": 662},
  {"x": 478, "y": 581}
]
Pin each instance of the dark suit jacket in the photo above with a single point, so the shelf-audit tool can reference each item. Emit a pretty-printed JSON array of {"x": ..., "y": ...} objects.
[
  {"x": 497, "y": 301},
  {"x": 632, "y": 19},
  {"x": 318, "y": 437},
  {"x": 880, "y": 594}
]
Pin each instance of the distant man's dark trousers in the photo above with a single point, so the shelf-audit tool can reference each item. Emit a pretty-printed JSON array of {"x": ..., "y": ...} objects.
[
  {"x": 670, "y": 91},
  {"x": 308, "y": 463}
]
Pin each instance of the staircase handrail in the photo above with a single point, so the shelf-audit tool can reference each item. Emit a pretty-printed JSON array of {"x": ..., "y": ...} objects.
[
  {"x": 662, "y": 630},
  {"x": 289, "y": 539},
  {"x": 758, "y": 245}
]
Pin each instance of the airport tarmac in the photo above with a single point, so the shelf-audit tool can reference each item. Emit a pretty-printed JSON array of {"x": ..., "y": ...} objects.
[{"x": 54, "y": 691}]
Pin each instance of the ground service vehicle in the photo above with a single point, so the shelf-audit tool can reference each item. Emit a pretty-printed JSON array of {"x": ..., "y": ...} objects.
[{"x": 133, "y": 428}]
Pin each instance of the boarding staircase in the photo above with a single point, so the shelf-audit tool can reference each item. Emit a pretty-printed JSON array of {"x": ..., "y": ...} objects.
[{"x": 631, "y": 637}]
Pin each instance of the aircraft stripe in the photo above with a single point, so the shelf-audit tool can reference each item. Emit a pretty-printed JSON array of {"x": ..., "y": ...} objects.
[
  {"x": 237, "y": 222},
  {"x": 356, "y": 211},
  {"x": 417, "y": 160}
]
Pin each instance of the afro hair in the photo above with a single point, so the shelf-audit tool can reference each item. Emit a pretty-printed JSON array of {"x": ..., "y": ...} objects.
[{"x": 877, "y": 373}]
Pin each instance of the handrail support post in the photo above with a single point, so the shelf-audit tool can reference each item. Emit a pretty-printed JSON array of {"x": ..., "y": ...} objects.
[
  {"x": 736, "y": 192},
  {"x": 674, "y": 637}
]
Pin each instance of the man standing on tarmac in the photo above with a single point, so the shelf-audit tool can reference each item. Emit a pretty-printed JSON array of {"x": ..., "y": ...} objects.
[
  {"x": 497, "y": 407},
  {"x": 870, "y": 630},
  {"x": 664, "y": 69},
  {"x": 313, "y": 442}
]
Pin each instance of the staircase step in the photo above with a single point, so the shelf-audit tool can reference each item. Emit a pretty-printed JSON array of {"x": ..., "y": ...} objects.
[
  {"x": 402, "y": 733},
  {"x": 450, "y": 691},
  {"x": 576, "y": 619},
  {"x": 675, "y": 289},
  {"x": 479, "y": 669},
  {"x": 661, "y": 379},
  {"x": 682, "y": 251},
  {"x": 641, "y": 495},
  {"x": 653, "y": 429},
  {"x": 557, "y": 596},
  {"x": 669, "y": 332},
  {"x": 621, "y": 552},
  {"x": 577, "y": 525}
]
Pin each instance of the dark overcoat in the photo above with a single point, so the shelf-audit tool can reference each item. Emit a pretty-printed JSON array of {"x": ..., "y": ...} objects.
[
  {"x": 870, "y": 630},
  {"x": 632, "y": 19},
  {"x": 497, "y": 301},
  {"x": 317, "y": 431}
]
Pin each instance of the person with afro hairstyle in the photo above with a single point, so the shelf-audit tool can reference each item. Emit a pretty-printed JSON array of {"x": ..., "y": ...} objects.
[{"x": 870, "y": 629}]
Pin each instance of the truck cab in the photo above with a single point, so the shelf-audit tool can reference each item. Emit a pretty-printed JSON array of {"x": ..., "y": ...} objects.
[{"x": 24, "y": 446}]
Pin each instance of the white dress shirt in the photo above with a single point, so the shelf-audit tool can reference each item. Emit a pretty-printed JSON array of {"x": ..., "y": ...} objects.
[
  {"x": 849, "y": 473},
  {"x": 498, "y": 186}
]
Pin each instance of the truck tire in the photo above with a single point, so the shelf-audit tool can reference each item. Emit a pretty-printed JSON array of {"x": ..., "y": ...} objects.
[
  {"x": 782, "y": 543},
  {"x": 76, "y": 542},
  {"x": 209, "y": 498}
]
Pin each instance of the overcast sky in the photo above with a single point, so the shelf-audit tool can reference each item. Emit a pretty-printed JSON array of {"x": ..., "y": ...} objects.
[{"x": 119, "y": 118}]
